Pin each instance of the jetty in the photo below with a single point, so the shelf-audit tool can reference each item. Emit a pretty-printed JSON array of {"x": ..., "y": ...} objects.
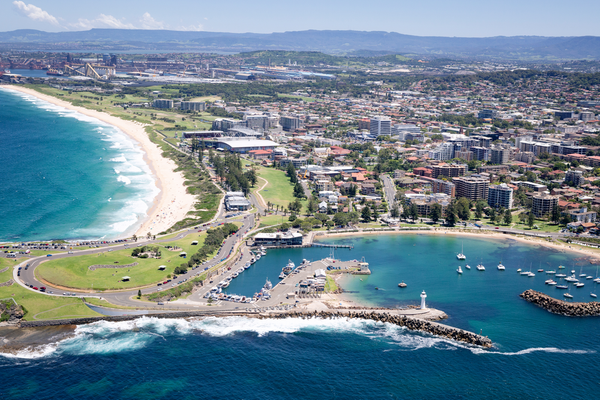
[{"x": 550, "y": 304}]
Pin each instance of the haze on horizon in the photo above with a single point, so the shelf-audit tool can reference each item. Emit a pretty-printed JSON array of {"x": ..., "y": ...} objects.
[{"x": 463, "y": 18}]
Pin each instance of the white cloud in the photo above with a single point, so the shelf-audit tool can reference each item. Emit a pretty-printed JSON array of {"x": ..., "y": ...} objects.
[
  {"x": 198, "y": 27},
  {"x": 148, "y": 22},
  {"x": 35, "y": 13},
  {"x": 103, "y": 21}
]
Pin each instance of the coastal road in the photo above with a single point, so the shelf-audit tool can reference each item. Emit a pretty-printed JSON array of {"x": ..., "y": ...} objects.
[{"x": 389, "y": 188}]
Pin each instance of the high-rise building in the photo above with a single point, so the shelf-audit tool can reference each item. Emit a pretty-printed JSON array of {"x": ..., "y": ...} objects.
[
  {"x": 480, "y": 153},
  {"x": 192, "y": 105},
  {"x": 443, "y": 152},
  {"x": 500, "y": 196},
  {"x": 289, "y": 123},
  {"x": 162, "y": 103},
  {"x": 543, "y": 204},
  {"x": 586, "y": 116},
  {"x": 499, "y": 155},
  {"x": 574, "y": 178},
  {"x": 487, "y": 114},
  {"x": 381, "y": 126},
  {"x": 449, "y": 170},
  {"x": 441, "y": 186},
  {"x": 472, "y": 187}
]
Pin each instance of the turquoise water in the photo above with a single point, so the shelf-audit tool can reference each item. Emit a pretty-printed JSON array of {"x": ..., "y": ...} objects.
[
  {"x": 67, "y": 176},
  {"x": 536, "y": 354}
]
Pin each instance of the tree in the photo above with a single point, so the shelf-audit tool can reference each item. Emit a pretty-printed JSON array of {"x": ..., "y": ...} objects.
[
  {"x": 329, "y": 224},
  {"x": 366, "y": 214},
  {"x": 139, "y": 293},
  {"x": 312, "y": 206},
  {"x": 375, "y": 214},
  {"x": 507, "y": 217},
  {"x": 299, "y": 191},
  {"x": 451, "y": 217},
  {"x": 463, "y": 209},
  {"x": 479, "y": 209},
  {"x": 395, "y": 211},
  {"x": 413, "y": 211},
  {"x": 341, "y": 219},
  {"x": 555, "y": 214},
  {"x": 530, "y": 220},
  {"x": 436, "y": 212},
  {"x": 322, "y": 217},
  {"x": 291, "y": 173}
]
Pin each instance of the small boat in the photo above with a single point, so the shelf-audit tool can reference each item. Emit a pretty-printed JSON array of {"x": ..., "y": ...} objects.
[
  {"x": 501, "y": 267},
  {"x": 552, "y": 283},
  {"x": 597, "y": 280},
  {"x": 461, "y": 255},
  {"x": 561, "y": 275},
  {"x": 562, "y": 287},
  {"x": 402, "y": 285},
  {"x": 568, "y": 295},
  {"x": 571, "y": 279},
  {"x": 459, "y": 270},
  {"x": 547, "y": 282},
  {"x": 268, "y": 285},
  {"x": 550, "y": 272},
  {"x": 541, "y": 270},
  {"x": 524, "y": 273},
  {"x": 480, "y": 267},
  {"x": 593, "y": 295},
  {"x": 579, "y": 285},
  {"x": 531, "y": 274},
  {"x": 467, "y": 266},
  {"x": 589, "y": 277},
  {"x": 519, "y": 270},
  {"x": 561, "y": 267},
  {"x": 573, "y": 271},
  {"x": 281, "y": 275}
]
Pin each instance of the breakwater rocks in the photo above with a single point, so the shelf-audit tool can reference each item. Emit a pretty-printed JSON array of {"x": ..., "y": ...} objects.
[
  {"x": 555, "y": 306},
  {"x": 412, "y": 323},
  {"x": 93, "y": 267}
]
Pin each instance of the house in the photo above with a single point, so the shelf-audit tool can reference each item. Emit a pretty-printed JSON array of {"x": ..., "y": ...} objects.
[{"x": 323, "y": 207}]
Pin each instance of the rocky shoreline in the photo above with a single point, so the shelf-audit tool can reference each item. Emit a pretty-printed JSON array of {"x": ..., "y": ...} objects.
[{"x": 560, "y": 307}]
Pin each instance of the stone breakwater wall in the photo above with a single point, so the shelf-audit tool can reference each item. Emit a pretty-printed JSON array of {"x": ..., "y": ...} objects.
[
  {"x": 412, "y": 323},
  {"x": 555, "y": 306},
  {"x": 93, "y": 267}
]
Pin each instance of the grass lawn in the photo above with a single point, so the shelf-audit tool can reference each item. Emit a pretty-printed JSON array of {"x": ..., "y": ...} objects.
[
  {"x": 279, "y": 190},
  {"x": 272, "y": 219},
  {"x": 330, "y": 285},
  {"x": 293, "y": 96},
  {"x": 73, "y": 272},
  {"x": 39, "y": 306}
]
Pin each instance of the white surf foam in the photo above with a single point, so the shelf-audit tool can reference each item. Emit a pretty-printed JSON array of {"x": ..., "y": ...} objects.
[{"x": 124, "y": 179}]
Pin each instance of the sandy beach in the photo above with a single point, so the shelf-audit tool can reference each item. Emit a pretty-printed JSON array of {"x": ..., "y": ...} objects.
[
  {"x": 584, "y": 251},
  {"x": 173, "y": 202}
]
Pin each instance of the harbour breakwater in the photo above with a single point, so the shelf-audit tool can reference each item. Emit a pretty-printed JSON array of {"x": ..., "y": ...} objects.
[
  {"x": 411, "y": 323},
  {"x": 390, "y": 316},
  {"x": 560, "y": 307}
]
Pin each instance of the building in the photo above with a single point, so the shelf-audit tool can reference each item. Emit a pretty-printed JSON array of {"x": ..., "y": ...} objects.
[
  {"x": 380, "y": 126},
  {"x": 192, "y": 106},
  {"x": 425, "y": 201},
  {"x": 162, "y": 103},
  {"x": 324, "y": 185},
  {"x": 290, "y": 124},
  {"x": 243, "y": 132},
  {"x": 499, "y": 155},
  {"x": 240, "y": 145},
  {"x": 487, "y": 114},
  {"x": 543, "y": 204},
  {"x": 278, "y": 239},
  {"x": 364, "y": 124},
  {"x": 463, "y": 155},
  {"x": 582, "y": 215},
  {"x": 449, "y": 170},
  {"x": 225, "y": 124},
  {"x": 500, "y": 196},
  {"x": 574, "y": 178},
  {"x": 443, "y": 152},
  {"x": 440, "y": 186},
  {"x": 201, "y": 134},
  {"x": 493, "y": 169},
  {"x": 297, "y": 162},
  {"x": 480, "y": 153},
  {"x": 262, "y": 122},
  {"x": 472, "y": 187},
  {"x": 236, "y": 201},
  {"x": 563, "y": 114},
  {"x": 586, "y": 116}
]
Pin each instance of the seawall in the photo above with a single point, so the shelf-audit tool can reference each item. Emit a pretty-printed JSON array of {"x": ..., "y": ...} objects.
[{"x": 560, "y": 307}]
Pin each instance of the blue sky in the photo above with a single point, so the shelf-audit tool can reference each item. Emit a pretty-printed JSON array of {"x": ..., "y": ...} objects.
[{"x": 467, "y": 18}]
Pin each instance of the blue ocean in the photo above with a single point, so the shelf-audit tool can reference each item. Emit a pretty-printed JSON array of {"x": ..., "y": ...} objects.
[
  {"x": 536, "y": 354},
  {"x": 66, "y": 175}
]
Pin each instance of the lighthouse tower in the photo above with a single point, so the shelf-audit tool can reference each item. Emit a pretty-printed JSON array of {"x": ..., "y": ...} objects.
[{"x": 423, "y": 297}]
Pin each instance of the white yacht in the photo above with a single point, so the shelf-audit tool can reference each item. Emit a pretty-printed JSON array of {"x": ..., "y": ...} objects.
[
  {"x": 501, "y": 267},
  {"x": 459, "y": 270},
  {"x": 550, "y": 272},
  {"x": 467, "y": 266},
  {"x": 579, "y": 284},
  {"x": 519, "y": 270},
  {"x": 480, "y": 267},
  {"x": 568, "y": 295},
  {"x": 461, "y": 255},
  {"x": 593, "y": 295},
  {"x": 571, "y": 278},
  {"x": 531, "y": 274}
]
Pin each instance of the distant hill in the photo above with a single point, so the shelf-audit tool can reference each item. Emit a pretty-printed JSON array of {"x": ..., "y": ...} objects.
[{"x": 332, "y": 42}]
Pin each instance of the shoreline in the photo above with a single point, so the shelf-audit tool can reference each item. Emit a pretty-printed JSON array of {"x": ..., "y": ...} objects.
[
  {"x": 172, "y": 203},
  {"x": 563, "y": 248}
]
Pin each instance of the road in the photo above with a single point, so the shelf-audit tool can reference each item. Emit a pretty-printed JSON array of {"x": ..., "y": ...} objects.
[{"x": 389, "y": 188}]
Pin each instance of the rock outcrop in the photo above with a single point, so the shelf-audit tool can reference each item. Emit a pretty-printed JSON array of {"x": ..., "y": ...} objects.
[
  {"x": 555, "y": 306},
  {"x": 10, "y": 312}
]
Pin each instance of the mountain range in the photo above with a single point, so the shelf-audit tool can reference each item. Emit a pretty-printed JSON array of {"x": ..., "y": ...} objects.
[{"x": 332, "y": 42}]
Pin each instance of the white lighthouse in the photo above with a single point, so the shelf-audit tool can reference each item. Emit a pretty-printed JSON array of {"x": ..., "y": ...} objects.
[{"x": 423, "y": 297}]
